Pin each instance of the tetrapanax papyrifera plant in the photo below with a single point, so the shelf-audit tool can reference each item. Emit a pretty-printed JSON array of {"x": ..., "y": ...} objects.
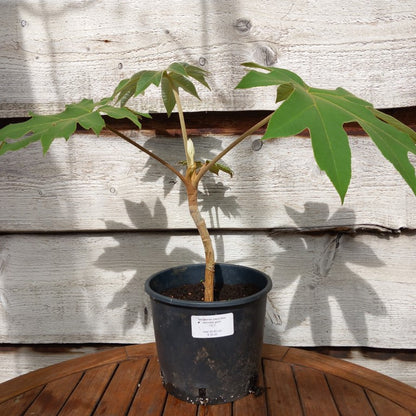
[{"x": 323, "y": 112}]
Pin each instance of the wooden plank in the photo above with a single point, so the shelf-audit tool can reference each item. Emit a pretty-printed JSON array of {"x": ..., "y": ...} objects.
[
  {"x": 151, "y": 396},
  {"x": 314, "y": 393},
  {"x": 254, "y": 404},
  {"x": 53, "y": 396},
  {"x": 282, "y": 396},
  {"x": 21, "y": 384},
  {"x": 52, "y": 52},
  {"x": 104, "y": 184},
  {"x": 141, "y": 350},
  {"x": 389, "y": 388},
  {"x": 19, "y": 404},
  {"x": 54, "y": 393},
  {"x": 21, "y": 359},
  {"x": 122, "y": 387},
  {"x": 225, "y": 409},
  {"x": 385, "y": 407},
  {"x": 91, "y": 287},
  {"x": 88, "y": 392},
  {"x": 397, "y": 364},
  {"x": 176, "y": 407},
  {"x": 351, "y": 399},
  {"x": 274, "y": 352}
]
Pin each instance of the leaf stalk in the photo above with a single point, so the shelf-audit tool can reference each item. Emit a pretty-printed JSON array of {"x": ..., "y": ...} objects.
[
  {"x": 148, "y": 152},
  {"x": 205, "y": 168}
]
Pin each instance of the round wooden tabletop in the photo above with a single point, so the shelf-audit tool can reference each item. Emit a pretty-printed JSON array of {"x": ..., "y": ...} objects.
[{"x": 126, "y": 381}]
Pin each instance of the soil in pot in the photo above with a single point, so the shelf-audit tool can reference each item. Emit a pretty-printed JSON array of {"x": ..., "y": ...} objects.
[{"x": 196, "y": 292}]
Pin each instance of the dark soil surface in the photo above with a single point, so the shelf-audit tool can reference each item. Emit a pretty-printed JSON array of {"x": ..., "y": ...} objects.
[{"x": 196, "y": 292}]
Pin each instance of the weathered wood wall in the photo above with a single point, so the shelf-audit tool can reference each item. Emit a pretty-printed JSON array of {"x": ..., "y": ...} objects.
[
  {"x": 53, "y": 52},
  {"x": 82, "y": 227}
]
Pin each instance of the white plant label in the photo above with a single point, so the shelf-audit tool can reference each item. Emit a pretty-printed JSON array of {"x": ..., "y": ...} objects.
[{"x": 212, "y": 326}]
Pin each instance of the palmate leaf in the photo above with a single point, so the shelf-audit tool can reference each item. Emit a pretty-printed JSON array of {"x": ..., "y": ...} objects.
[
  {"x": 46, "y": 128},
  {"x": 324, "y": 113},
  {"x": 136, "y": 85},
  {"x": 123, "y": 112},
  {"x": 177, "y": 75},
  {"x": 167, "y": 95}
]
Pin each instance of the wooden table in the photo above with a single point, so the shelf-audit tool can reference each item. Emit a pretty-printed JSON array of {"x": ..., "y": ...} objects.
[{"x": 126, "y": 381}]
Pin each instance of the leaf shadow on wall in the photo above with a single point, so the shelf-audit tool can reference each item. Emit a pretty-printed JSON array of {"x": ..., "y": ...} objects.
[
  {"x": 121, "y": 259},
  {"x": 152, "y": 247},
  {"x": 171, "y": 149},
  {"x": 213, "y": 200},
  {"x": 318, "y": 264}
]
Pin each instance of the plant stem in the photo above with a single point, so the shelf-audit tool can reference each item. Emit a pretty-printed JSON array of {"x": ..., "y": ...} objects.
[
  {"x": 191, "y": 181},
  {"x": 189, "y": 162},
  {"x": 249, "y": 132},
  {"x": 192, "y": 192},
  {"x": 209, "y": 280},
  {"x": 148, "y": 152}
]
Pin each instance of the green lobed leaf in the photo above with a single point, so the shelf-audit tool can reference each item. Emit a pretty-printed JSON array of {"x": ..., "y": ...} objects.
[
  {"x": 121, "y": 112},
  {"x": 283, "y": 92},
  {"x": 198, "y": 74},
  {"x": 395, "y": 123},
  {"x": 126, "y": 88},
  {"x": 275, "y": 76},
  {"x": 135, "y": 85},
  {"x": 148, "y": 78},
  {"x": 395, "y": 146},
  {"x": 324, "y": 113},
  {"x": 179, "y": 75},
  {"x": 178, "y": 68},
  {"x": 46, "y": 128},
  {"x": 168, "y": 96},
  {"x": 179, "y": 81},
  {"x": 16, "y": 131}
]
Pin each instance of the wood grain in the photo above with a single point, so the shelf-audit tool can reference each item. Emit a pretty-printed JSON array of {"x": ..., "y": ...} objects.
[
  {"x": 385, "y": 407},
  {"x": 385, "y": 386},
  {"x": 104, "y": 184},
  {"x": 151, "y": 396},
  {"x": 176, "y": 407},
  {"x": 88, "y": 392},
  {"x": 20, "y": 403},
  {"x": 254, "y": 404},
  {"x": 67, "y": 368},
  {"x": 90, "y": 288},
  {"x": 350, "y": 398},
  {"x": 122, "y": 387},
  {"x": 82, "y": 227},
  {"x": 299, "y": 383},
  {"x": 55, "y": 52},
  {"x": 312, "y": 384},
  {"x": 281, "y": 389},
  {"x": 220, "y": 410},
  {"x": 53, "y": 396}
]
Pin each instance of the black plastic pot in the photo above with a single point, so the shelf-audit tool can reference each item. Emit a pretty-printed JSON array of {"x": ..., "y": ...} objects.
[{"x": 209, "y": 352}]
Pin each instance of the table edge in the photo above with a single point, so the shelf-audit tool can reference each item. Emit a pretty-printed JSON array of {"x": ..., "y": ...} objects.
[
  {"x": 390, "y": 388},
  {"x": 393, "y": 389}
]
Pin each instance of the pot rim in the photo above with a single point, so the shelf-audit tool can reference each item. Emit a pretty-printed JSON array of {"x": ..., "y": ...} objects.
[{"x": 208, "y": 305}]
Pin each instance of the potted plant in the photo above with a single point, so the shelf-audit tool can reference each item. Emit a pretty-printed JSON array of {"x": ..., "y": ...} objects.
[{"x": 209, "y": 341}]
